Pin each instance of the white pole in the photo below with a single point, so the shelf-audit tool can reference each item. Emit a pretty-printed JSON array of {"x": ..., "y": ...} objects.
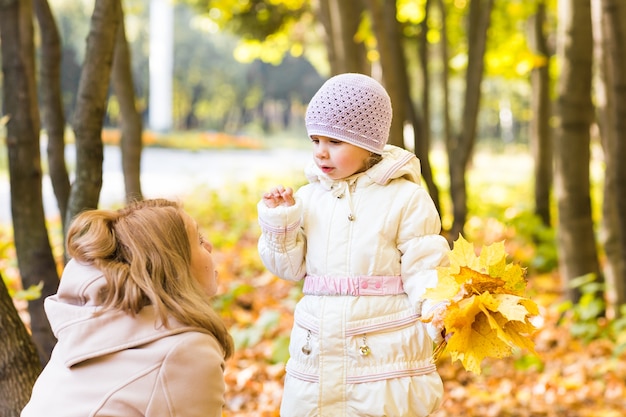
[{"x": 161, "y": 65}]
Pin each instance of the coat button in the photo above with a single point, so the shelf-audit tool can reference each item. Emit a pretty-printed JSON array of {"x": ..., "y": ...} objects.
[
  {"x": 364, "y": 350},
  {"x": 364, "y": 285}
]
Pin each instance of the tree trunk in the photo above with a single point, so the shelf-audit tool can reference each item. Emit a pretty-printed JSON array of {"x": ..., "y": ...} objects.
[
  {"x": 52, "y": 103},
  {"x": 576, "y": 240},
  {"x": 445, "y": 75},
  {"x": 35, "y": 259},
  {"x": 421, "y": 125},
  {"x": 131, "y": 127},
  {"x": 19, "y": 361},
  {"x": 341, "y": 19},
  {"x": 91, "y": 106},
  {"x": 393, "y": 63},
  {"x": 461, "y": 144},
  {"x": 610, "y": 20},
  {"x": 540, "y": 133}
]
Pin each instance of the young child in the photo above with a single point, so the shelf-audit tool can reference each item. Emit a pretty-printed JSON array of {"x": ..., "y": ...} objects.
[
  {"x": 136, "y": 332},
  {"x": 364, "y": 236}
]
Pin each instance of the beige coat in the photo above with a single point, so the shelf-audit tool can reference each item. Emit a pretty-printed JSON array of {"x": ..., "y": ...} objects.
[
  {"x": 380, "y": 223},
  {"x": 116, "y": 365}
]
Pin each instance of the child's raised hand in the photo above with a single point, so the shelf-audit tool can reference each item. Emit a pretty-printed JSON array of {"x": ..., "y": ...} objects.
[{"x": 279, "y": 196}]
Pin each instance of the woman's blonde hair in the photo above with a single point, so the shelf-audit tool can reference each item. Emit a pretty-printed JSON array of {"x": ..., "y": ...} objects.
[{"x": 144, "y": 252}]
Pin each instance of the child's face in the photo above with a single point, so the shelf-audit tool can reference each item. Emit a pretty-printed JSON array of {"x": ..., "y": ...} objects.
[{"x": 338, "y": 159}]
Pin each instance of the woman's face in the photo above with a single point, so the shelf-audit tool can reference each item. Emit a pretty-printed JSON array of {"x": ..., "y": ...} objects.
[
  {"x": 202, "y": 265},
  {"x": 338, "y": 159}
]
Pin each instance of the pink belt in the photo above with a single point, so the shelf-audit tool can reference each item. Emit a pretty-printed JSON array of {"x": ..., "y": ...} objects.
[{"x": 362, "y": 285}]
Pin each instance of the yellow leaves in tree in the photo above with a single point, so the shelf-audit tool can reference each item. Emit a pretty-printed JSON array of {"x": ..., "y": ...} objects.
[{"x": 487, "y": 314}]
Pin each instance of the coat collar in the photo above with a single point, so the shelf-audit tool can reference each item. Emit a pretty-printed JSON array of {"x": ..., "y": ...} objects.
[{"x": 84, "y": 335}]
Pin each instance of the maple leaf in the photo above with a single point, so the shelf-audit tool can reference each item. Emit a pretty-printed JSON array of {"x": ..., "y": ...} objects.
[
  {"x": 486, "y": 313},
  {"x": 474, "y": 283},
  {"x": 463, "y": 254}
]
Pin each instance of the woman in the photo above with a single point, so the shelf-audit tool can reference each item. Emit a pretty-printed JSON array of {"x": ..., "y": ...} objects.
[{"x": 136, "y": 332}]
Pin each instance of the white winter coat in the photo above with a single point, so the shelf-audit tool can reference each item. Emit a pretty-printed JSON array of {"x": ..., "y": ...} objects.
[{"x": 377, "y": 223}]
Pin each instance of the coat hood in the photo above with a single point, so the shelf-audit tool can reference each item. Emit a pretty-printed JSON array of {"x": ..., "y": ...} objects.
[
  {"x": 81, "y": 334},
  {"x": 396, "y": 163}
]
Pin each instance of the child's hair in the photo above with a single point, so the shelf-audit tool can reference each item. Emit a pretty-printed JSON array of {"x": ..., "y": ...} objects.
[
  {"x": 372, "y": 160},
  {"x": 144, "y": 252}
]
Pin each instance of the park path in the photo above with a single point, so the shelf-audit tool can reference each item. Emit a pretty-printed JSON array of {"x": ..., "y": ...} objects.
[{"x": 174, "y": 173}]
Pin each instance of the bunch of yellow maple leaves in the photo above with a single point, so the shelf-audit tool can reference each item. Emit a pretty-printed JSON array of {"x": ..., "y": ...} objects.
[{"x": 486, "y": 312}]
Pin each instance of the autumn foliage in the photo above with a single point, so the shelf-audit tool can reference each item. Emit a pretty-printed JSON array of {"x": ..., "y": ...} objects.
[{"x": 486, "y": 311}]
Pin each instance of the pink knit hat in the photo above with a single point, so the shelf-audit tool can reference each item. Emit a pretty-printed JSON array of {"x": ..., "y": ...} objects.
[{"x": 353, "y": 108}]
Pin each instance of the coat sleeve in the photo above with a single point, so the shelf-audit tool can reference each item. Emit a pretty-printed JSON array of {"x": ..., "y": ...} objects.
[
  {"x": 282, "y": 244},
  {"x": 192, "y": 378},
  {"x": 422, "y": 250}
]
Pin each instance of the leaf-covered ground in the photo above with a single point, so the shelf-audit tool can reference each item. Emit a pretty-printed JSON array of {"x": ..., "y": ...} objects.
[{"x": 567, "y": 379}]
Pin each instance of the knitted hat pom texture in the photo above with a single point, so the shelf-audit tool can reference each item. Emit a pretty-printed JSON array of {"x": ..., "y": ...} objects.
[{"x": 353, "y": 108}]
